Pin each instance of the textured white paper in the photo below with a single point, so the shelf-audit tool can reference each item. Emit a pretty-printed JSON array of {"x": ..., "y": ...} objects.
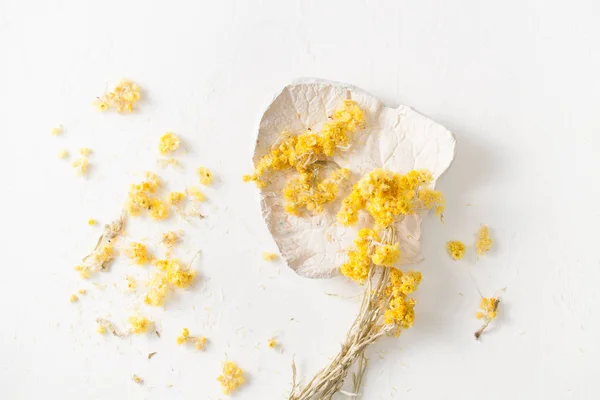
[{"x": 397, "y": 139}]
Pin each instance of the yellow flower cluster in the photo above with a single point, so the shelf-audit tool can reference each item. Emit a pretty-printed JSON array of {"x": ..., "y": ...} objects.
[
  {"x": 484, "y": 241},
  {"x": 168, "y": 143},
  {"x": 456, "y": 249},
  {"x": 368, "y": 249},
  {"x": 400, "y": 311},
  {"x": 488, "y": 307},
  {"x": 386, "y": 195},
  {"x": 139, "y": 324},
  {"x": 306, "y": 191},
  {"x": 138, "y": 253},
  {"x": 231, "y": 377},
  {"x": 185, "y": 337},
  {"x": 170, "y": 273},
  {"x": 206, "y": 177},
  {"x": 142, "y": 196},
  {"x": 301, "y": 151},
  {"x": 304, "y": 152},
  {"x": 124, "y": 96}
]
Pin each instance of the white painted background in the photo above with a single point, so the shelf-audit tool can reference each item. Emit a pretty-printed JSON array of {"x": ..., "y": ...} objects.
[{"x": 517, "y": 81}]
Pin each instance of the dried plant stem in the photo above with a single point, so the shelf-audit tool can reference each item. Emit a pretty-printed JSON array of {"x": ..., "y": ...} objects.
[{"x": 366, "y": 329}]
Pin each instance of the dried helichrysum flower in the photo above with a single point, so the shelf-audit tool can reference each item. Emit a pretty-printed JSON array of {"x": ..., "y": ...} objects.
[
  {"x": 168, "y": 143},
  {"x": 231, "y": 377},
  {"x": 122, "y": 98},
  {"x": 205, "y": 176},
  {"x": 174, "y": 198},
  {"x": 301, "y": 151},
  {"x": 139, "y": 325},
  {"x": 484, "y": 241},
  {"x": 57, "y": 131},
  {"x": 170, "y": 273},
  {"x": 386, "y": 195},
  {"x": 196, "y": 194},
  {"x": 138, "y": 253},
  {"x": 456, "y": 249},
  {"x": 306, "y": 191},
  {"x": 269, "y": 256},
  {"x": 80, "y": 165},
  {"x": 305, "y": 153},
  {"x": 488, "y": 311},
  {"x": 198, "y": 341}
]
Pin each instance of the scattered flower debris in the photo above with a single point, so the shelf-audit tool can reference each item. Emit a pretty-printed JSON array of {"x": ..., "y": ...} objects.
[
  {"x": 205, "y": 176},
  {"x": 269, "y": 256},
  {"x": 122, "y": 98},
  {"x": 198, "y": 341}
]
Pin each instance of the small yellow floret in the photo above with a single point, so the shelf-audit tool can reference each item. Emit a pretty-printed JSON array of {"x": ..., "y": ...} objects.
[
  {"x": 488, "y": 307},
  {"x": 82, "y": 291},
  {"x": 100, "y": 329},
  {"x": 386, "y": 255},
  {"x": 168, "y": 143},
  {"x": 91, "y": 222},
  {"x": 231, "y": 377},
  {"x": 196, "y": 194},
  {"x": 205, "y": 176},
  {"x": 63, "y": 153},
  {"x": 73, "y": 298},
  {"x": 80, "y": 165},
  {"x": 137, "y": 379},
  {"x": 85, "y": 152},
  {"x": 484, "y": 241},
  {"x": 158, "y": 210},
  {"x": 269, "y": 256},
  {"x": 175, "y": 197},
  {"x": 131, "y": 283},
  {"x": 139, "y": 325},
  {"x": 170, "y": 239},
  {"x": 138, "y": 252},
  {"x": 272, "y": 343},
  {"x": 456, "y": 249},
  {"x": 199, "y": 341},
  {"x": 57, "y": 131}
]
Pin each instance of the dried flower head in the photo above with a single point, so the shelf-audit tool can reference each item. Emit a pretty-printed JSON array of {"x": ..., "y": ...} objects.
[
  {"x": 57, "y": 131},
  {"x": 269, "y": 256},
  {"x": 456, "y": 249},
  {"x": 168, "y": 143},
  {"x": 91, "y": 222},
  {"x": 137, "y": 379},
  {"x": 63, "y": 153},
  {"x": 175, "y": 197},
  {"x": 206, "y": 177},
  {"x": 488, "y": 311},
  {"x": 138, "y": 253},
  {"x": 139, "y": 325},
  {"x": 272, "y": 343},
  {"x": 231, "y": 377},
  {"x": 85, "y": 152},
  {"x": 484, "y": 241},
  {"x": 80, "y": 165},
  {"x": 196, "y": 194},
  {"x": 73, "y": 298}
]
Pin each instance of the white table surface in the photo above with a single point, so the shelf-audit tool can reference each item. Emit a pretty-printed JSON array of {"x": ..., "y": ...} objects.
[{"x": 516, "y": 81}]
